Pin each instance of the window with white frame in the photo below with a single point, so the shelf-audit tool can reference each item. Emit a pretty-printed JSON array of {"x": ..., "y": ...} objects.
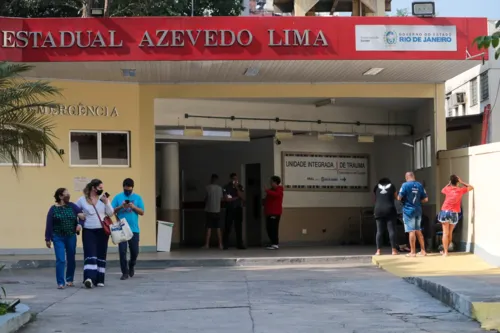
[
  {"x": 484, "y": 86},
  {"x": 100, "y": 148},
  {"x": 428, "y": 152},
  {"x": 24, "y": 159},
  {"x": 473, "y": 92},
  {"x": 419, "y": 154}
]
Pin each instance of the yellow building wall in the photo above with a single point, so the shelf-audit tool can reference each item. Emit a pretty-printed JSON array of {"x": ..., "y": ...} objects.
[
  {"x": 27, "y": 197},
  {"x": 30, "y": 193}
]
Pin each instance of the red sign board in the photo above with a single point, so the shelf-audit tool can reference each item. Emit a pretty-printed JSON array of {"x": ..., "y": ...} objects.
[{"x": 233, "y": 38}]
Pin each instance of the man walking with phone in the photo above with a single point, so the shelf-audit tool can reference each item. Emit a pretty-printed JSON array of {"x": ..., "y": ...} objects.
[{"x": 129, "y": 205}]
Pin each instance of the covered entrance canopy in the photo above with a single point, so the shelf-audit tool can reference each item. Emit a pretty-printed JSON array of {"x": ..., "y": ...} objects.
[
  {"x": 174, "y": 65},
  {"x": 245, "y": 49}
]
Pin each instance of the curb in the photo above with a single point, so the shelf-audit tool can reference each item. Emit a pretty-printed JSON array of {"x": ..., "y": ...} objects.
[
  {"x": 12, "y": 322},
  {"x": 486, "y": 313},
  {"x": 207, "y": 262}
]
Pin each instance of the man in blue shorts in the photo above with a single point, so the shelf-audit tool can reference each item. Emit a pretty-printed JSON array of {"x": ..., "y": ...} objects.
[{"x": 412, "y": 194}]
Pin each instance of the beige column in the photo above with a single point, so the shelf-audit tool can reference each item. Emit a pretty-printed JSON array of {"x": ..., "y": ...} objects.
[
  {"x": 439, "y": 134},
  {"x": 302, "y": 7},
  {"x": 356, "y": 7}
]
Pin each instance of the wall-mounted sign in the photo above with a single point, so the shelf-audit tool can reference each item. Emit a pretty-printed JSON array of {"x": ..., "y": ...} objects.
[
  {"x": 80, "y": 110},
  {"x": 406, "y": 38},
  {"x": 325, "y": 172},
  {"x": 79, "y": 183},
  {"x": 159, "y": 38}
]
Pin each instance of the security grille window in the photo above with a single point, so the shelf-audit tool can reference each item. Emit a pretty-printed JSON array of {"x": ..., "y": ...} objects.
[
  {"x": 92, "y": 148},
  {"x": 484, "y": 86},
  {"x": 419, "y": 154},
  {"x": 428, "y": 152},
  {"x": 473, "y": 92}
]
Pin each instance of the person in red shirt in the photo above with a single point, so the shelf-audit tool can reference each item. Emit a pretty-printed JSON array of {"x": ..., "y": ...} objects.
[
  {"x": 448, "y": 216},
  {"x": 273, "y": 208}
]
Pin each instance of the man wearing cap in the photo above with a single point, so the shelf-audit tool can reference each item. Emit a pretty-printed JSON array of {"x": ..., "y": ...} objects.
[{"x": 129, "y": 205}]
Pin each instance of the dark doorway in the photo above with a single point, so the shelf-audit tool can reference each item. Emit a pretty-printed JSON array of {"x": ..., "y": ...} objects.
[{"x": 253, "y": 216}]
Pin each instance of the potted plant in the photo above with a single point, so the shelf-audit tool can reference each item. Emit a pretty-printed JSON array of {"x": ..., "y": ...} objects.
[{"x": 5, "y": 305}]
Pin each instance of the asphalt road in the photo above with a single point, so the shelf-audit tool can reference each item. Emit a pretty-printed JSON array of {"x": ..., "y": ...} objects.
[{"x": 328, "y": 298}]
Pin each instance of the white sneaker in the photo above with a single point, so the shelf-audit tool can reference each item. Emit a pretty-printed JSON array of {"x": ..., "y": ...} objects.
[
  {"x": 100, "y": 284},
  {"x": 88, "y": 283},
  {"x": 273, "y": 247}
]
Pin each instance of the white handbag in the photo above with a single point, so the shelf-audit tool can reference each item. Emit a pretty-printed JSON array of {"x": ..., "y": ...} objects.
[{"x": 121, "y": 232}]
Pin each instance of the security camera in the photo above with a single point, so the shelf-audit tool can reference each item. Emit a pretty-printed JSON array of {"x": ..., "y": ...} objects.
[{"x": 277, "y": 141}]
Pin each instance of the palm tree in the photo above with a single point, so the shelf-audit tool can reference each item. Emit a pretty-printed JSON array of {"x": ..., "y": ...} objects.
[{"x": 24, "y": 130}]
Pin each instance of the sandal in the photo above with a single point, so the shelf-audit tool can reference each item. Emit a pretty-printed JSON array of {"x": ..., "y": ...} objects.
[
  {"x": 409, "y": 255},
  {"x": 69, "y": 284},
  {"x": 60, "y": 287}
]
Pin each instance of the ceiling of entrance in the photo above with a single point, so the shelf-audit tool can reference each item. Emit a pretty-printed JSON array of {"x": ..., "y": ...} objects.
[{"x": 268, "y": 71}]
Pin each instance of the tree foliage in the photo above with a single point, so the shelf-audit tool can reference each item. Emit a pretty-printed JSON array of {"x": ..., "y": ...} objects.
[
  {"x": 403, "y": 12},
  {"x": 24, "y": 131},
  {"x": 493, "y": 40},
  {"x": 117, "y": 8}
]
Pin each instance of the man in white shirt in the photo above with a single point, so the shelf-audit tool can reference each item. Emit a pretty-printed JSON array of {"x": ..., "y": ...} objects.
[{"x": 213, "y": 199}]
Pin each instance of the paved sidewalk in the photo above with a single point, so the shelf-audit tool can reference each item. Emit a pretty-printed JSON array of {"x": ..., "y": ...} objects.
[
  {"x": 269, "y": 299},
  {"x": 212, "y": 257},
  {"x": 461, "y": 281}
]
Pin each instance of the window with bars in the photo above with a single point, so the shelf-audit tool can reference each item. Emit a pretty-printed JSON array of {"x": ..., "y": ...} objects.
[
  {"x": 473, "y": 92},
  {"x": 484, "y": 86}
]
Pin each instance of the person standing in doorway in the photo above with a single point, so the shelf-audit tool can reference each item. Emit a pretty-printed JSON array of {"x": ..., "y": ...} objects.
[
  {"x": 213, "y": 199},
  {"x": 273, "y": 208},
  {"x": 95, "y": 206},
  {"x": 129, "y": 205},
  {"x": 385, "y": 213},
  {"x": 234, "y": 196},
  {"x": 449, "y": 214},
  {"x": 412, "y": 195}
]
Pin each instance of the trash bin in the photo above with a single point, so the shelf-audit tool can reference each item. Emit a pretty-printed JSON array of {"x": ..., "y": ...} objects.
[{"x": 164, "y": 238}]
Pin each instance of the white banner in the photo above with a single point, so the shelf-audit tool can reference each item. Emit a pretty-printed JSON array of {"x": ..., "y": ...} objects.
[
  {"x": 325, "y": 172},
  {"x": 406, "y": 38}
]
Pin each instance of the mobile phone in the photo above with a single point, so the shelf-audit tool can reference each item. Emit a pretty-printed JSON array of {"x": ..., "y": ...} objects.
[
  {"x": 106, "y": 194},
  {"x": 127, "y": 201}
]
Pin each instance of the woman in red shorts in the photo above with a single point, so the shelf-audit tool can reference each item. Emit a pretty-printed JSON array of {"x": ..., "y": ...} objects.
[{"x": 448, "y": 216}]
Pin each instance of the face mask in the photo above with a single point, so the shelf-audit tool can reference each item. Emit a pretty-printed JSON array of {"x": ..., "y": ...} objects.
[
  {"x": 127, "y": 192},
  {"x": 99, "y": 192},
  {"x": 66, "y": 199}
]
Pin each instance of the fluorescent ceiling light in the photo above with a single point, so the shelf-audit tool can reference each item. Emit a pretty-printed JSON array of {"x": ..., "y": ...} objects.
[
  {"x": 373, "y": 71},
  {"x": 240, "y": 133},
  {"x": 284, "y": 135},
  {"x": 325, "y": 102},
  {"x": 366, "y": 138},
  {"x": 326, "y": 137},
  {"x": 407, "y": 144},
  {"x": 344, "y": 134},
  {"x": 251, "y": 71},
  {"x": 160, "y": 137},
  {"x": 194, "y": 132}
]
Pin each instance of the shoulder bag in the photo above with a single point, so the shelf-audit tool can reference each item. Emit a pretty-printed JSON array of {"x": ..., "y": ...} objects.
[{"x": 106, "y": 222}]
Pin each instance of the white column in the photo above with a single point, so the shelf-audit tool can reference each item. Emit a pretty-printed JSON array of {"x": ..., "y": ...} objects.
[{"x": 170, "y": 176}]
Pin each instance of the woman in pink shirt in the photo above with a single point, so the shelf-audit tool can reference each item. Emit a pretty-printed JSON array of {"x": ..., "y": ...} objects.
[{"x": 448, "y": 216}]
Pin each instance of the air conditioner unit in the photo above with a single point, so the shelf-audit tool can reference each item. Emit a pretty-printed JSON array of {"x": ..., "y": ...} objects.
[{"x": 458, "y": 98}]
